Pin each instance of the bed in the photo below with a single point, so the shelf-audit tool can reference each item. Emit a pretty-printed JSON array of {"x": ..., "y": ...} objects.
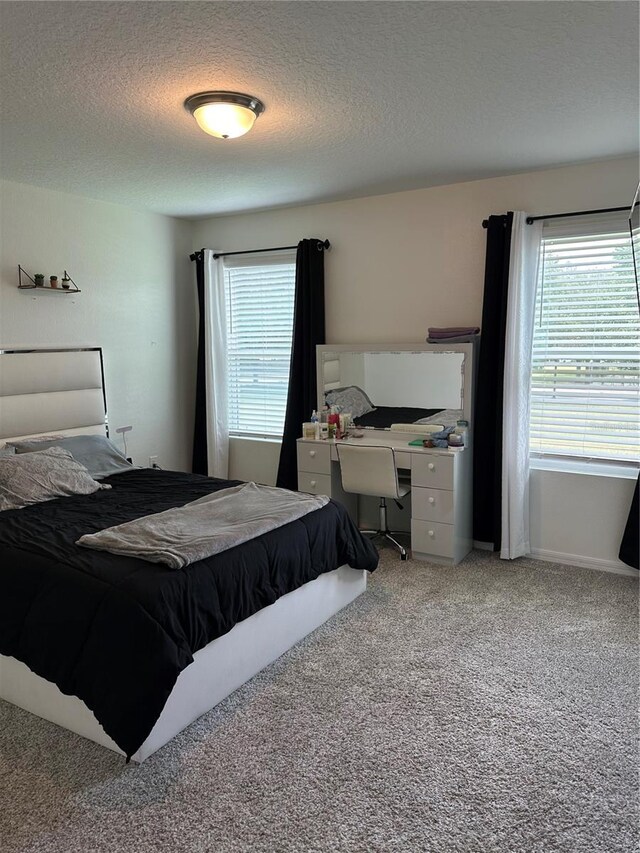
[
  {"x": 122, "y": 651},
  {"x": 366, "y": 413},
  {"x": 382, "y": 417}
]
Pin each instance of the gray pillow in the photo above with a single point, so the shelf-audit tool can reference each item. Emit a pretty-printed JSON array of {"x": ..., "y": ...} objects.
[
  {"x": 351, "y": 399},
  {"x": 32, "y": 478},
  {"x": 99, "y": 456}
]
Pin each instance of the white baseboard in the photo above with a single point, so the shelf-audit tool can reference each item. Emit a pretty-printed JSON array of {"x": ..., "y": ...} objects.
[{"x": 614, "y": 566}]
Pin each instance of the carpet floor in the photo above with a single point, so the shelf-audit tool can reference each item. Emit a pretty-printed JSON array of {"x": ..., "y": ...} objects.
[{"x": 487, "y": 708}]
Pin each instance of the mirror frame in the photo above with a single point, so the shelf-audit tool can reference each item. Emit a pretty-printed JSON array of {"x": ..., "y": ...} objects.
[
  {"x": 635, "y": 255},
  {"x": 468, "y": 367}
]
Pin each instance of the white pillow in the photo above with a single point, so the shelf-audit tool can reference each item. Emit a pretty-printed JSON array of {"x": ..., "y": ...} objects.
[{"x": 351, "y": 399}]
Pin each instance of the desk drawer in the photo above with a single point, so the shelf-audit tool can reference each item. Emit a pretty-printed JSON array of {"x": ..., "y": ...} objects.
[
  {"x": 432, "y": 504},
  {"x": 314, "y": 484},
  {"x": 431, "y": 537},
  {"x": 314, "y": 456},
  {"x": 403, "y": 459},
  {"x": 433, "y": 471}
]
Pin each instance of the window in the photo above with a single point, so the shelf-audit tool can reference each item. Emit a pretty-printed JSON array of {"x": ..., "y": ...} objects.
[
  {"x": 585, "y": 384},
  {"x": 259, "y": 305}
]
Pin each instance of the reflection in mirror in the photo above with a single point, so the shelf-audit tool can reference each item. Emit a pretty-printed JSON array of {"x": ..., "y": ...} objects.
[{"x": 384, "y": 387}]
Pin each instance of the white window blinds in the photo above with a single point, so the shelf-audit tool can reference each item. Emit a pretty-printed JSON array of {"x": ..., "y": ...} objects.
[
  {"x": 585, "y": 387},
  {"x": 260, "y": 298}
]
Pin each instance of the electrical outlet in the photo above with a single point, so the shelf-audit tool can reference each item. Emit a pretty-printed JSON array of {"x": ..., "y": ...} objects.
[{"x": 153, "y": 462}]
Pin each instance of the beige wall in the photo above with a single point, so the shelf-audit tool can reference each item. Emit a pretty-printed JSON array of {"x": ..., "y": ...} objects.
[
  {"x": 580, "y": 515},
  {"x": 137, "y": 302},
  {"x": 399, "y": 263},
  {"x": 404, "y": 261}
]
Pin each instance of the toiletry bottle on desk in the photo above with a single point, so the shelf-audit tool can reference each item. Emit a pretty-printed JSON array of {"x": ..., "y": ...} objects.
[
  {"x": 345, "y": 424},
  {"x": 334, "y": 423},
  {"x": 462, "y": 429},
  {"x": 324, "y": 421},
  {"x": 339, "y": 433},
  {"x": 314, "y": 420}
]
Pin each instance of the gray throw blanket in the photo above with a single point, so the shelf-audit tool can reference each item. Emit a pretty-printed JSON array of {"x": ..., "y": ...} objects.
[{"x": 211, "y": 524}]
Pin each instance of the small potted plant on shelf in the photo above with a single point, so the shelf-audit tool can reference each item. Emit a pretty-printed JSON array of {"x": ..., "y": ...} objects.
[
  {"x": 66, "y": 281},
  {"x": 39, "y": 279},
  {"x": 53, "y": 281}
]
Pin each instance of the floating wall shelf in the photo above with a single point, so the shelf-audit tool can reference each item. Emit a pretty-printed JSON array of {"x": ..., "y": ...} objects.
[{"x": 26, "y": 282}]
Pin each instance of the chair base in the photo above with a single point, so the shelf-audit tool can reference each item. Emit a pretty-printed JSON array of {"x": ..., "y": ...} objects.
[
  {"x": 389, "y": 535},
  {"x": 384, "y": 532}
]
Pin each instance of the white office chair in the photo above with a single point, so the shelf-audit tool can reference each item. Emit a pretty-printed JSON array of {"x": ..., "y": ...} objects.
[{"x": 371, "y": 470}]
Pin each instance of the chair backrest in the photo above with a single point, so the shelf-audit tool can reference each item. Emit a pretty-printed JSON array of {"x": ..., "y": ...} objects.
[{"x": 368, "y": 470}]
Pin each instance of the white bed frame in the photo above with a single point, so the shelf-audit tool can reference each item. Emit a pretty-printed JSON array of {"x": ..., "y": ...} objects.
[{"x": 71, "y": 402}]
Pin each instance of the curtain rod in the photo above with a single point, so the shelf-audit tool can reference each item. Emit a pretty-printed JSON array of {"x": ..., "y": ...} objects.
[
  {"x": 531, "y": 219},
  {"x": 322, "y": 244}
]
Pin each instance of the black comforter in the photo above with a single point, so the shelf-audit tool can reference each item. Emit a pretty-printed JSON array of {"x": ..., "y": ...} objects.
[
  {"x": 117, "y": 631},
  {"x": 383, "y": 416}
]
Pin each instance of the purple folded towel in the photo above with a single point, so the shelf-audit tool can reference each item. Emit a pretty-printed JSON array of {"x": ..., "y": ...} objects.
[{"x": 453, "y": 331}]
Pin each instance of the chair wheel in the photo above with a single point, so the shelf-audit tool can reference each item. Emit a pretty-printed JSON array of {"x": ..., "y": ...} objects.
[{"x": 404, "y": 556}]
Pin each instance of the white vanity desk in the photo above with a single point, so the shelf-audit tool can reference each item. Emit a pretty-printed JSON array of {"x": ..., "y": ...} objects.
[
  {"x": 441, "y": 493},
  {"x": 434, "y": 376}
]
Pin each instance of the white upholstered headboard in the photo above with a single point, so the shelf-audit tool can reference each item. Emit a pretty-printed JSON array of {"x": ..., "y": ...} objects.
[
  {"x": 331, "y": 367},
  {"x": 57, "y": 391}
]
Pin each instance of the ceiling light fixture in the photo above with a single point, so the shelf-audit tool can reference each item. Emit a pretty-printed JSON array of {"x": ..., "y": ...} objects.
[{"x": 224, "y": 115}]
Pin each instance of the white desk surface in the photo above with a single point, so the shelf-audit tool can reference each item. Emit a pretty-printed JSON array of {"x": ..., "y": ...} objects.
[{"x": 399, "y": 441}]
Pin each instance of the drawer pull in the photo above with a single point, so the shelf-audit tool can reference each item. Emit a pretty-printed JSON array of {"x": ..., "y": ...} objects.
[
  {"x": 431, "y": 466},
  {"x": 313, "y": 483},
  {"x": 432, "y": 533},
  {"x": 432, "y": 500},
  {"x": 312, "y": 453}
]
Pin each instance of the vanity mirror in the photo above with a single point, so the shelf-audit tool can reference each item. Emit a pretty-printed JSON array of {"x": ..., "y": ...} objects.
[{"x": 381, "y": 385}]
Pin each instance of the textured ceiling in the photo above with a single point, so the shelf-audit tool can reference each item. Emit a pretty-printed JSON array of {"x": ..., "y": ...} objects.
[{"x": 361, "y": 97}]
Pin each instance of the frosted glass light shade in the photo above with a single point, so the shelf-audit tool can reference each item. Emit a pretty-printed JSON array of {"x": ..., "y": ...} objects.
[
  {"x": 226, "y": 121},
  {"x": 225, "y": 115}
]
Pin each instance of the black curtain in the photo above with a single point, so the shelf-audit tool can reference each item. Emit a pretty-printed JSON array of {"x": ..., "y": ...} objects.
[
  {"x": 487, "y": 422},
  {"x": 199, "y": 462},
  {"x": 308, "y": 331},
  {"x": 630, "y": 545}
]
